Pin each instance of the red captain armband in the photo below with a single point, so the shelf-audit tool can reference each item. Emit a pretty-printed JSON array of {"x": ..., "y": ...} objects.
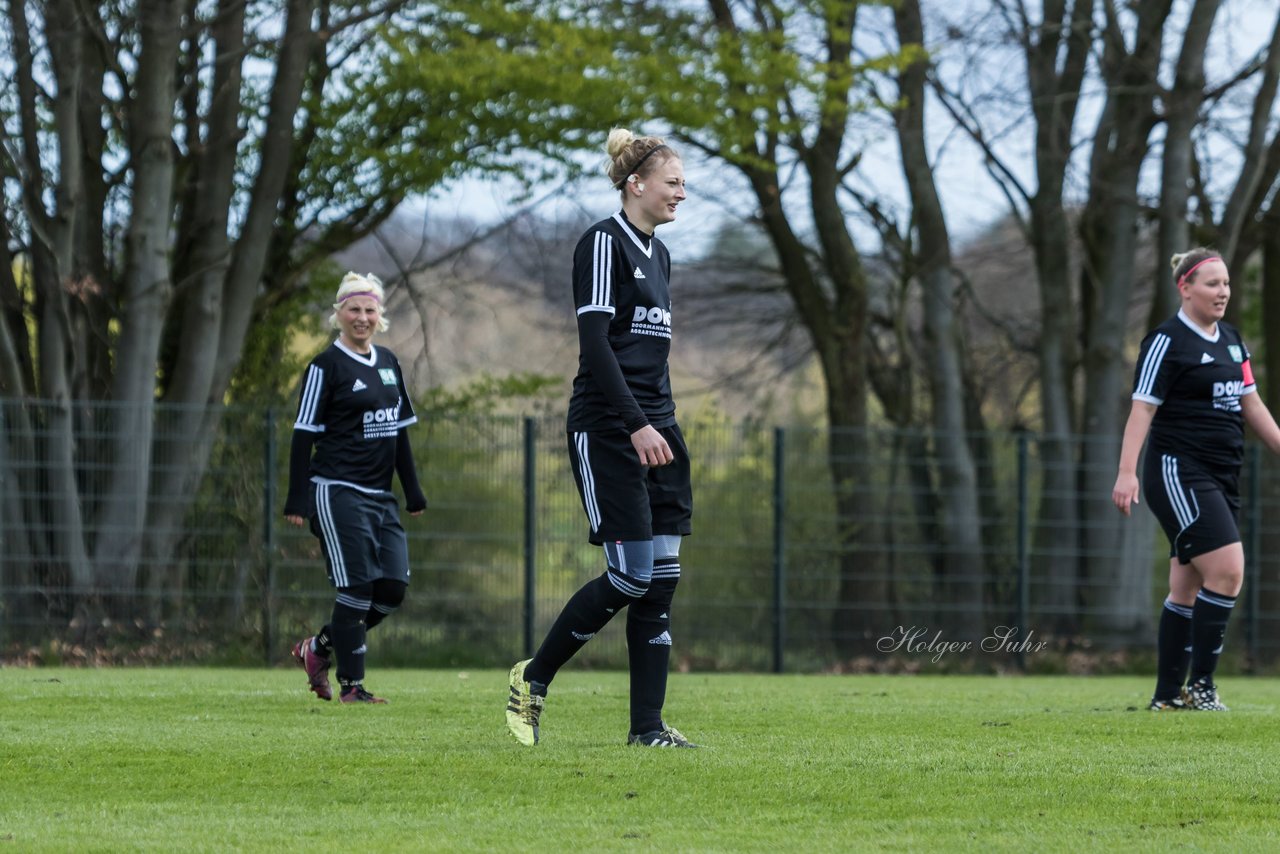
[{"x": 1248, "y": 373}]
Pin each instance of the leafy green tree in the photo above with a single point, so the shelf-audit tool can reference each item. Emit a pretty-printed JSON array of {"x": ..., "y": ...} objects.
[{"x": 177, "y": 173}]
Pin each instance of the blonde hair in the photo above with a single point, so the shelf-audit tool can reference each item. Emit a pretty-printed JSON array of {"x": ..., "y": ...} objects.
[
  {"x": 634, "y": 155},
  {"x": 1185, "y": 263},
  {"x": 353, "y": 285}
]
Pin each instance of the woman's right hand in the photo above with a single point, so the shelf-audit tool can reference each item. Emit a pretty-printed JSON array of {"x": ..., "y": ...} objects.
[
  {"x": 652, "y": 448},
  {"x": 1125, "y": 492}
]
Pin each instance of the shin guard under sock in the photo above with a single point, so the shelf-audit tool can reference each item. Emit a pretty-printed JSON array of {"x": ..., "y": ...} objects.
[
  {"x": 1209, "y": 618},
  {"x": 1172, "y": 641},
  {"x": 649, "y": 653},
  {"x": 348, "y": 633}
]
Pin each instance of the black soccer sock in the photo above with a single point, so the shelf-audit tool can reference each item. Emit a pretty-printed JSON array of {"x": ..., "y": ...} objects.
[
  {"x": 1209, "y": 618},
  {"x": 1172, "y": 641},
  {"x": 587, "y": 612},
  {"x": 322, "y": 643},
  {"x": 348, "y": 632},
  {"x": 649, "y": 650}
]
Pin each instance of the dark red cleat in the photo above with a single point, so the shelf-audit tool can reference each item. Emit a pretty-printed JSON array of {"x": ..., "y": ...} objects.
[{"x": 317, "y": 667}]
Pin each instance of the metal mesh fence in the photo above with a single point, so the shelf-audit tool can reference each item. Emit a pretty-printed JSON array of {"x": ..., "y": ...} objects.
[{"x": 811, "y": 550}]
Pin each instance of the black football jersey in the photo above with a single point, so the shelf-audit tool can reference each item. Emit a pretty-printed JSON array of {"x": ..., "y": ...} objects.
[
  {"x": 1197, "y": 383},
  {"x": 356, "y": 405},
  {"x": 614, "y": 271}
]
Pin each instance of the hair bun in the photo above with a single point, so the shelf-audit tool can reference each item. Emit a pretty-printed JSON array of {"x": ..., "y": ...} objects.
[{"x": 619, "y": 139}]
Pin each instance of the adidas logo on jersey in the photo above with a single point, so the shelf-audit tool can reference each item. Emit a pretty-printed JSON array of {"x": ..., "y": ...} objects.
[
  {"x": 1205, "y": 358},
  {"x": 358, "y": 385},
  {"x": 663, "y": 639},
  {"x": 638, "y": 274}
]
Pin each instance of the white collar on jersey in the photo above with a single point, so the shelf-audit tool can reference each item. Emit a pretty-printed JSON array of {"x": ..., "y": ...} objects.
[
  {"x": 1191, "y": 324},
  {"x": 370, "y": 360},
  {"x": 630, "y": 231}
]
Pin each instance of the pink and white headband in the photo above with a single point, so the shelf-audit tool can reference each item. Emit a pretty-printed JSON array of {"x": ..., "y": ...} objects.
[{"x": 1196, "y": 266}]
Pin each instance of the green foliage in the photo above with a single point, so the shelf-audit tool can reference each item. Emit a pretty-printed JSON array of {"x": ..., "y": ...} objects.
[
  {"x": 556, "y": 76},
  {"x": 492, "y": 84},
  {"x": 487, "y": 394},
  {"x": 203, "y": 759},
  {"x": 271, "y": 365}
]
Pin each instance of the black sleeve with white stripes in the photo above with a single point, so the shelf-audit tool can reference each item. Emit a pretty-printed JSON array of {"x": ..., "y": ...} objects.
[{"x": 1154, "y": 373}]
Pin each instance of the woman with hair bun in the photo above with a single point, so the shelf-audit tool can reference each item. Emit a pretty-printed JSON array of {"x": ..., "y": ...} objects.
[
  {"x": 352, "y": 412},
  {"x": 629, "y": 458},
  {"x": 1193, "y": 393}
]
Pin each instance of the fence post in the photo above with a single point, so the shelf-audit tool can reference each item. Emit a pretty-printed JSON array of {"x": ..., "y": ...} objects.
[
  {"x": 530, "y": 530},
  {"x": 1253, "y": 544},
  {"x": 779, "y": 549},
  {"x": 269, "y": 535},
  {"x": 1024, "y": 543}
]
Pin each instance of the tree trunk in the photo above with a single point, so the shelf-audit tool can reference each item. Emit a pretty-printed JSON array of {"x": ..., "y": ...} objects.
[
  {"x": 229, "y": 285},
  {"x": 1267, "y": 587},
  {"x": 1182, "y": 113},
  {"x": 1118, "y": 591},
  {"x": 1055, "y": 571},
  {"x": 1057, "y": 54},
  {"x": 837, "y": 330},
  {"x": 61, "y": 512},
  {"x": 1108, "y": 229},
  {"x": 182, "y": 451},
  {"x": 1239, "y": 210},
  {"x": 147, "y": 289},
  {"x": 957, "y": 479}
]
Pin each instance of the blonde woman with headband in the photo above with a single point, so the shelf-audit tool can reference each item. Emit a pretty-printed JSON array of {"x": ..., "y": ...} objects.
[
  {"x": 629, "y": 458},
  {"x": 1193, "y": 393},
  {"x": 348, "y": 439}
]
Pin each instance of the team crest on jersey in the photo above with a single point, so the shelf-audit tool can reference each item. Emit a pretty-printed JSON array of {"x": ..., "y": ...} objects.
[
  {"x": 1234, "y": 350},
  {"x": 388, "y": 376}
]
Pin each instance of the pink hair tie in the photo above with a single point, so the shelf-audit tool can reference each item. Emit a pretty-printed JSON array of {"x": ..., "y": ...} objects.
[
  {"x": 375, "y": 296},
  {"x": 1194, "y": 267}
]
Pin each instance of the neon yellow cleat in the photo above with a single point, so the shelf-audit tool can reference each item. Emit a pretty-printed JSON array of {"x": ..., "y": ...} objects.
[{"x": 524, "y": 708}]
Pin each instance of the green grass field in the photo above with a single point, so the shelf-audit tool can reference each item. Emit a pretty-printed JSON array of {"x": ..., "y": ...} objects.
[{"x": 205, "y": 759}]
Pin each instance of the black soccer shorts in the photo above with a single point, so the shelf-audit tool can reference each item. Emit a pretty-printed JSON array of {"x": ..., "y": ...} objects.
[
  {"x": 1198, "y": 509},
  {"x": 360, "y": 534},
  {"x": 625, "y": 500}
]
